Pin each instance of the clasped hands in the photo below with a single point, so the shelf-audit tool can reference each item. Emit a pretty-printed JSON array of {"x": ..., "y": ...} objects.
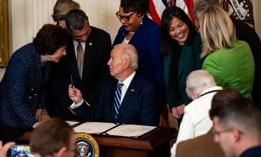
[{"x": 178, "y": 111}]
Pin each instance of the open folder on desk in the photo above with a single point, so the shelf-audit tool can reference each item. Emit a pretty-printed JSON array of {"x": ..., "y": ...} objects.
[{"x": 125, "y": 130}]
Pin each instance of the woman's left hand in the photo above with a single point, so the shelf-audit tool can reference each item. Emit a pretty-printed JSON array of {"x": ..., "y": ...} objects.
[{"x": 180, "y": 109}]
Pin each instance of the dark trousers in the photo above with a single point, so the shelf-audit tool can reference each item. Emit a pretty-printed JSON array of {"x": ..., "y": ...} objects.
[{"x": 8, "y": 133}]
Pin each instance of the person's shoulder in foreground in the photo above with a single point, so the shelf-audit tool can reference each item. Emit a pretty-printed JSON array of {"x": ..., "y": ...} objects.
[
  {"x": 236, "y": 124},
  {"x": 201, "y": 146},
  {"x": 53, "y": 138}
]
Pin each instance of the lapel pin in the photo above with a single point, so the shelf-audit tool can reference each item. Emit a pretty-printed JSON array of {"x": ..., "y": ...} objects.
[
  {"x": 132, "y": 90},
  {"x": 90, "y": 43}
]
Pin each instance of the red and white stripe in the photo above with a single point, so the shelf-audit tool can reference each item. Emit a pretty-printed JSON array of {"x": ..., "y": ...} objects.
[
  {"x": 157, "y": 7},
  {"x": 187, "y": 6}
]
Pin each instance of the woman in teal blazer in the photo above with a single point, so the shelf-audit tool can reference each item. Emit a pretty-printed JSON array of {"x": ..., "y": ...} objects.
[
  {"x": 229, "y": 60},
  {"x": 181, "y": 45}
]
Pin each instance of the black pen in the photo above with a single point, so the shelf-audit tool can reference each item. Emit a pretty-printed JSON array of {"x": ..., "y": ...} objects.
[{"x": 71, "y": 80}]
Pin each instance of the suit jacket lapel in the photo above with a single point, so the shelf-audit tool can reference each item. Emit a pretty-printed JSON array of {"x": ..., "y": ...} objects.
[
  {"x": 87, "y": 58},
  {"x": 112, "y": 86},
  {"x": 71, "y": 59},
  {"x": 120, "y": 37},
  {"x": 138, "y": 34},
  {"x": 90, "y": 46},
  {"x": 185, "y": 55}
]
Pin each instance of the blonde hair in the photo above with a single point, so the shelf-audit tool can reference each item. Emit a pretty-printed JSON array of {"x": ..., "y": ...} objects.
[
  {"x": 216, "y": 30},
  {"x": 62, "y": 7}
]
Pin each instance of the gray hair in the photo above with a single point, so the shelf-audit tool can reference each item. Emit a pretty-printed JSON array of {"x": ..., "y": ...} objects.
[
  {"x": 129, "y": 52},
  {"x": 201, "y": 5},
  {"x": 198, "y": 81}
]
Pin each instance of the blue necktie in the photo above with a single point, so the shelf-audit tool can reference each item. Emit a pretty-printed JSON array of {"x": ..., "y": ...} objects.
[{"x": 117, "y": 99}]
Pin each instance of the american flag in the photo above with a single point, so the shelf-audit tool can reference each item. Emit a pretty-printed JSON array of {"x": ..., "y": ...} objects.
[{"x": 158, "y": 6}]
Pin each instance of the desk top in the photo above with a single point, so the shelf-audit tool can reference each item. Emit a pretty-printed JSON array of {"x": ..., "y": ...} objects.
[{"x": 146, "y": 142}]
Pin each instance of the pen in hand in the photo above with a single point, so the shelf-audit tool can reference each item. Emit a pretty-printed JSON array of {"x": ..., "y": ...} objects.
[
  {"x": 71, "y": 90},
  {"x": 71, "y": 80}
]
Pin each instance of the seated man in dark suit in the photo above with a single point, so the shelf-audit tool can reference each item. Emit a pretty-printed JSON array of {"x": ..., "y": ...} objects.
[{"x": 134, "y": 103}]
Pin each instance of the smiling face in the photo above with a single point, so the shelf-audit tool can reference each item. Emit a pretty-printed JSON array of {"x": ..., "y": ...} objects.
[
  {"x": 130, "y": 21},
  {"x": 178, "y": 30}
]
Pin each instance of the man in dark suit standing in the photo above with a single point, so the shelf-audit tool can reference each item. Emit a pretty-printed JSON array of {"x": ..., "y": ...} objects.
[
  {"x": 84, "y": 66},
  {"x": 137, "y": 101}
]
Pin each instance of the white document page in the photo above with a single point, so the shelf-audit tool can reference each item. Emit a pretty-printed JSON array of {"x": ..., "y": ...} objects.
[
  {"x": 94, "y": 127},
  {"x": 130, "y": 130},
  {"x": 71, "y": 122}
]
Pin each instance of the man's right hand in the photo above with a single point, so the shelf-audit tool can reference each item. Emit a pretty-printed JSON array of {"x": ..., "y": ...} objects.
[{"x": 74, "y": 94}]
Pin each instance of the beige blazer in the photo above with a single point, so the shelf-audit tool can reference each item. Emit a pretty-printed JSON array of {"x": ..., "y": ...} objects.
[{"x": 201, "y": 146}]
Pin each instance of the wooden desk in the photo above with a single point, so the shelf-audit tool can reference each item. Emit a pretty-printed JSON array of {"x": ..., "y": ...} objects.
[{"x": 153, "y": 144}]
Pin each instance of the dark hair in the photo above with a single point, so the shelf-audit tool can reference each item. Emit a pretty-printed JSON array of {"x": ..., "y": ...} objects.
[
  {"x": 50, "y": 136},
  {"x": 231, "y": 106},
  {"x": 139, "y": 6},
  {"x": 75, "y": 20},
  {"x": 167, "y": 43},
  {"x": 50, "y": 38}
]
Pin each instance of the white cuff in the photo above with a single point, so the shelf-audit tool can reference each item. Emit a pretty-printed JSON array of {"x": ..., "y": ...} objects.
[{"x": 74, "y": 105}]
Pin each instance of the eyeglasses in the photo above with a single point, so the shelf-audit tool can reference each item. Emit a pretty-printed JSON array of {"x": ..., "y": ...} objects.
[
  {"x": 217, "y": 133},
  {"x": 125, "y": 18},
  {"x": 85, "y": 34}
]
